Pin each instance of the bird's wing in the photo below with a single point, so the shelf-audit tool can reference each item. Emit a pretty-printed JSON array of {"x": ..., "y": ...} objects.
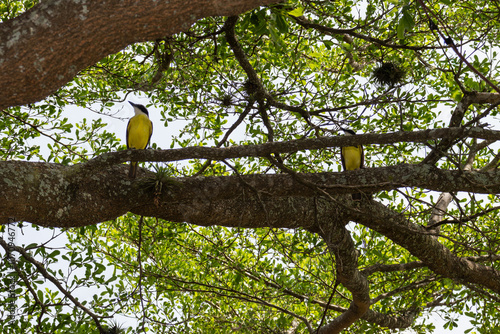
[
  {"x": 150, "y": 133},
  {"x": 342, "y": 157},
  {"x": 128, "y": 128},
  {"x": 362, "y": 163}
]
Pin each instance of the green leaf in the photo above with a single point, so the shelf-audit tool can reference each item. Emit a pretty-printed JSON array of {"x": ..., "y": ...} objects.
[
  {"x": 281, "y": 24},
  {"x": 401, "y": 29},
  {"x": 406, "y": 22},
  {"x": 299, "y": 11}
]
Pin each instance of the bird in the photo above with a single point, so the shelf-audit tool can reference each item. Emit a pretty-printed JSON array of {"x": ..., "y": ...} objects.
[
  {"x": 139, "y": 131},
  {"x": 352, "y": 158}
]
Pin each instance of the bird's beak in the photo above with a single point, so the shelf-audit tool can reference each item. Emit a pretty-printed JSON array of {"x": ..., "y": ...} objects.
[{"x": 132, "y": 103}]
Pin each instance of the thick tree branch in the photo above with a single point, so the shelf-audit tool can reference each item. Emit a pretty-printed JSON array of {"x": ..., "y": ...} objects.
[
  {"x": 70, "y": 196},
  {"x": 427, "y": 248},
  {"x": 340, "y": 244},
  {"x": 46, "y": 47}
]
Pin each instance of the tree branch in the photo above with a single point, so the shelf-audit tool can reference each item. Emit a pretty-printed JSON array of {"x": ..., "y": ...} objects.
[
  {"x": 253, "y": 77},
  {"x": 264, "y": 150},
  {"x": 44, "y": 48},
  {"x": 69, "y": 196},
  {"x": 302, "y": 21},
  {"x": 340, "y": 244},
  {"x": 426, "y": 247},
  {"x": 386, "y": 268},
  {"x": 41, "y": 269}
]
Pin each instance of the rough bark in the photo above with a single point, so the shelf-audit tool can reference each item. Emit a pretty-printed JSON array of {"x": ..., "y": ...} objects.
[
  {"x": 45, "y": 47},
  {"x": 340, "y": 244},
  {"x": 56, "y": 195}
]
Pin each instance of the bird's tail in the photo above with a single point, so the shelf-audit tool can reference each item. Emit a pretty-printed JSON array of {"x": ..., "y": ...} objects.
[{"x": 133, "y": 170}]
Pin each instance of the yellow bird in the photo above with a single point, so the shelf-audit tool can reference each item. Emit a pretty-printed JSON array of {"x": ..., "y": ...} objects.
[
  {"x": 139, "y": 131},
  {"x": 353, "y": 158}
]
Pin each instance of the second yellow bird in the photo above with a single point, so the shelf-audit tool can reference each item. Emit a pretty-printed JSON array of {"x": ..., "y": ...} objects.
[{"x": 353, "y": 158}]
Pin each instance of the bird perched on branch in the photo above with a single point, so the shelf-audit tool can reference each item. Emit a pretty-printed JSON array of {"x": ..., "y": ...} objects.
[
  {"x": 139, "y": 131},
  {"x": 353, "y": 158}
]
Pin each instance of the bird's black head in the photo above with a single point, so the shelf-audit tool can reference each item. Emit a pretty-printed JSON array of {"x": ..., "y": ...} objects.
[
  {"x": 348, "y": 132},
  {"x": 140, "y": 107}
]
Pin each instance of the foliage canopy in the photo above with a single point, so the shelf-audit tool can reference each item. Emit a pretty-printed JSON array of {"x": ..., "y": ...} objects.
[{"x": 289, "y": 71}]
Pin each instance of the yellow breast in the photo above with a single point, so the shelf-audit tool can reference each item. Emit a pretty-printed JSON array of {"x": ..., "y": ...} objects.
[
  {"x": 139, "y": 130},
  {"x": 352, "y": 157}
]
